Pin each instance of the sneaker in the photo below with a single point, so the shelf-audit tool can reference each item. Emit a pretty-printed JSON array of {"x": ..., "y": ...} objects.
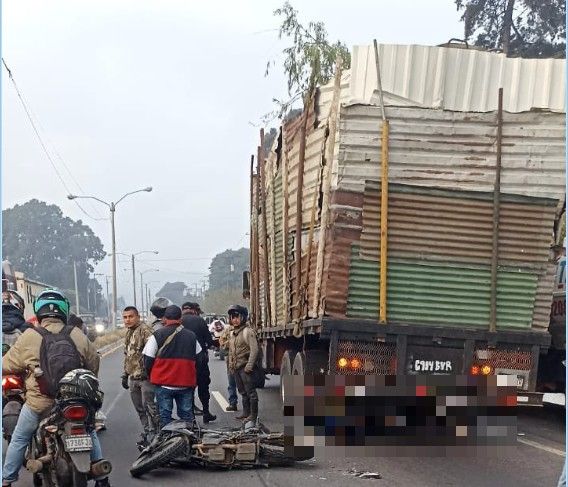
[
  {"x": 208, "y": 417},
  {"x": 232, "y": 407},
  {"x": 241, "y": 416},
  {"x": 102, "y": 483}
]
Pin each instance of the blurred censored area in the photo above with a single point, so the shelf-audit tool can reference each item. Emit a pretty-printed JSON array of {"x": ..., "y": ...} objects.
[{"x": 366, "y": 416}]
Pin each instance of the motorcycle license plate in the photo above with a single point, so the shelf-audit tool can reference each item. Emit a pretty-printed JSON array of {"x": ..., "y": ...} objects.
[{"x": 78, "y": 443}]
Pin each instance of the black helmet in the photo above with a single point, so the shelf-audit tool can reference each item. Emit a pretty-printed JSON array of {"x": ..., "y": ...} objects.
[
  {"x": 81, "y": 383},
  {"x": 159, "y": 306},
  {"x": 237, "y": 309},
  {"x": 11, "y": 298},
  {"x": 51, "y": 304}
]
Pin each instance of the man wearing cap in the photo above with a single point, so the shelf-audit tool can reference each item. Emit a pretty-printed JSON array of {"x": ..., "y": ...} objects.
[
  {"x": 192, "y": 321},
  {"x": 170, "y": 361}
]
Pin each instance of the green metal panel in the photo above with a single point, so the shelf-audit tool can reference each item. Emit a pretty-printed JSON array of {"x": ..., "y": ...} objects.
[{"x": 420, "y": 292}]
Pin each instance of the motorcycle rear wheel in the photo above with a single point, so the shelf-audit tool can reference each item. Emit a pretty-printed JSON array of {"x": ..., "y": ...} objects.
[{"x": 170, "y": 449}]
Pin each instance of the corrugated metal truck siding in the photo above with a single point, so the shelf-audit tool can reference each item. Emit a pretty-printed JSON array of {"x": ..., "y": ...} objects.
[{"x": 420, "y": 292}]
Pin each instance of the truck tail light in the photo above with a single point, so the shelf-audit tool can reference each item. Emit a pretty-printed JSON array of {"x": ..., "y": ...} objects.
[
  {"x": 486, "y": 370},
  {"x": 355, "y": 363},
  {"x": 475, "y": 370},
  {"x": 342, "y": 362}
]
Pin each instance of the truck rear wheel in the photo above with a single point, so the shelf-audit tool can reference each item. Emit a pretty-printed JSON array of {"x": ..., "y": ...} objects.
[
  {"x": 310, "y": 362},
  {"x": 285, "y": 370}
]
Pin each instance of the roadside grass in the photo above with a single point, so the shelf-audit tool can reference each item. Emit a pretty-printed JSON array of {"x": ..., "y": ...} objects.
[{"x": 110, "y": 337}]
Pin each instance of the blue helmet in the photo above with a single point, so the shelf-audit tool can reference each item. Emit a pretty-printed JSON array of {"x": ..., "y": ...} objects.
[{"x": 51, "y": 304}]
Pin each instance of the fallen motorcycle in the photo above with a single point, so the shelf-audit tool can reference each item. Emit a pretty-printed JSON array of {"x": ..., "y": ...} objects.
[
  {"x": 185, "y": 444},
  {"x": 59, "y": 454}
]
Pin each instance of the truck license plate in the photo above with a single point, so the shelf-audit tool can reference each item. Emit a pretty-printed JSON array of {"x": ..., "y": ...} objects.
[{"x": 78, "y": 443}]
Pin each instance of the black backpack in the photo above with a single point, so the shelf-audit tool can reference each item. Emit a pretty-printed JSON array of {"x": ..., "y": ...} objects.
[{"x": 58, "y": 355}]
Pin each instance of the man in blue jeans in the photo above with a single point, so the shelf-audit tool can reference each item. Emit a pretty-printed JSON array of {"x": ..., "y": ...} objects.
[{"x": 170, "y": 360}]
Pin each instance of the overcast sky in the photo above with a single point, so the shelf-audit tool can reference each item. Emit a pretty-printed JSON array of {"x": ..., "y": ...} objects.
[{"x": 169, "y": 94}]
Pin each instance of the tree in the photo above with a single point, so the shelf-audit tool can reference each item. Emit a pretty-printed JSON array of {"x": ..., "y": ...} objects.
[
  {"x": 43, "y": 244},
  {"x": 219, "y": 301},
  {"x": 309, "y": 61},
  {"x": 175, "y": 292},
  {"x": 528, "y": 28},
  {"x": 226, "y": 269}
]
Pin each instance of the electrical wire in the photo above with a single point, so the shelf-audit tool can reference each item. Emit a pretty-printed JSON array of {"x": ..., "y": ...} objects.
[{"x": 43, "y": 144}]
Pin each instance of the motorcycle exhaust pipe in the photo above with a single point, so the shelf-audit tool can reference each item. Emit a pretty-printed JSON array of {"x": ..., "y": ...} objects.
[
  {"x": 35, "y": 465},
  {"x": 101, "y": 468}
]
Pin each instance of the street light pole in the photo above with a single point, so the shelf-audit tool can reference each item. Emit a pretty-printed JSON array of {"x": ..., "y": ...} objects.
[
  {"x": 112, "y": 206},
  {"x": 142, "y": 283},
  {"x": 133, "y": 280}
]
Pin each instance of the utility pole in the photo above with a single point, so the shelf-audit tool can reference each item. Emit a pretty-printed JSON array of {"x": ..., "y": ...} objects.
[
  {"x": 141, "y": 290},
  {"x": 76, "y": 288},
  {"x": 134, "y": 285}
]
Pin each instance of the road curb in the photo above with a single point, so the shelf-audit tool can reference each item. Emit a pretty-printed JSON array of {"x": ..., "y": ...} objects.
[{"x": 111, "y": 347}]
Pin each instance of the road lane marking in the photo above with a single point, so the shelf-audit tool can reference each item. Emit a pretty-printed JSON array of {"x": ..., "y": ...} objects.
[
  {"x": 548, "y": 449},
  {"x": 114, "y": 402},
  {"x": 220, "y": 400},
  {"x": 112, "y": 351}
]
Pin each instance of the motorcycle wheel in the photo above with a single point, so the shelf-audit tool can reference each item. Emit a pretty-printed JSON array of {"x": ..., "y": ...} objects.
[
  {"x": 79, "y": 479},
  {"x": 170, "y": 449},
  {"x": 37, "y": 480},
  {"x": 273, "y": 455}
]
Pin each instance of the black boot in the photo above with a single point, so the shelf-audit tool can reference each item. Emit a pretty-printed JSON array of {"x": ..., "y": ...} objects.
[
  {"x": 102, "y": 482},
  {"x": 208, "y": 417}
]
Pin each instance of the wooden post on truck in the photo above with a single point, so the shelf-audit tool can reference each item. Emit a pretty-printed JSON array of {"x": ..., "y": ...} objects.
[
  {"x": 496, "y": 211},
  {"x": 299, "y": 208},
  {"x": 251, "y": 245},
  {"x": 257, "y": 242},
  {"x": 267, "y": 321},
  {"x": 285, "y": 228},
  {"x": 317, "y": 309},
  {"x": 383, "y": 256}
]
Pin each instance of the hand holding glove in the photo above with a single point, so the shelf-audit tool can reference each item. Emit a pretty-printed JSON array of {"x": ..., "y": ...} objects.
[{"x": 125, "y": 381}]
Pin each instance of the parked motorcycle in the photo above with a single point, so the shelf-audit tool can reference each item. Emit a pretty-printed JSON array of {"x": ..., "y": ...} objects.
[
  {"x": 12, "y": 399},
  {"x": 59, "y": 452},
  {"x": 186, "y": 444},
  {"x": 12, "y": 402},
  {"x": 216, "y": 328}
]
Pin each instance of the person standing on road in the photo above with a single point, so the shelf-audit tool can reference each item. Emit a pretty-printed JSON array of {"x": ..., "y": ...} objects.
[
  {"x": 232, "y": 389},
  {"x": 169, "y": 359},
  {"x": 52, "y": 309},
  {"x": 134, "y": 376},
  {"x": 193, "y": 322},
  {"x": 243, "y": 356},
  {"x": 158, "y": 309}
]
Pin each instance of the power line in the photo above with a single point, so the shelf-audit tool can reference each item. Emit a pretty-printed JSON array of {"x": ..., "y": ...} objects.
[{"x": 43, "y": 144}]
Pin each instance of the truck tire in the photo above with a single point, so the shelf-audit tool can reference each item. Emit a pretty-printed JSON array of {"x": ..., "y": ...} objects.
[
  {"x": 310, "y": 362},
  {"x": 285, "y": 370}
]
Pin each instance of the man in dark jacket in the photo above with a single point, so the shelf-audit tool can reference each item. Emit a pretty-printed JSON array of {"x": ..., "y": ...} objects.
[
  {"x": 192, "y": 321},
  {"x": 13, "y": 321},
  {"x": 169, "y": 358}
]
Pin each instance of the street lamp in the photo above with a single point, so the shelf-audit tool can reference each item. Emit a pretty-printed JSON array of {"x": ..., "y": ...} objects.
[
  {"x": 142, "y": 284},
  {"x": 112, "y": 207}
]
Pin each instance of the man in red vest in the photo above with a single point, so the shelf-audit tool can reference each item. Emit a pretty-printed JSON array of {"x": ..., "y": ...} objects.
[{"x": 169, "y": 358}]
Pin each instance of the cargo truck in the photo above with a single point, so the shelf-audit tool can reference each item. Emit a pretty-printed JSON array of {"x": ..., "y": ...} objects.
[{"x": 406, "y": 223}]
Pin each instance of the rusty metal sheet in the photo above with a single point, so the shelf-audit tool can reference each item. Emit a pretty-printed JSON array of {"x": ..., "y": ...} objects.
[
  {"x": 454, "y": 226},
  {"x": 453, "y": 150}
]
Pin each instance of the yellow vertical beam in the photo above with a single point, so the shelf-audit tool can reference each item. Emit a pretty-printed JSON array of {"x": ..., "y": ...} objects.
[{"x": 384, "y": 222}]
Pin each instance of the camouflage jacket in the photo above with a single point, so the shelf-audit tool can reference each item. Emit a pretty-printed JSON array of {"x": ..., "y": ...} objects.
[{"x": 134, "y": 342}]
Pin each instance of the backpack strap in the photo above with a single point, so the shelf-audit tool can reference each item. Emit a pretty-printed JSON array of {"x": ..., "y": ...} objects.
[
  {"x": 168, "y": 341},
  {"x": 67, "y": 330},
  {"x": 42, "y": 331}
]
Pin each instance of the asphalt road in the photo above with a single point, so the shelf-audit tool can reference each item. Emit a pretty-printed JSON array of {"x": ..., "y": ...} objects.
[{"x": 537, "y": 460}]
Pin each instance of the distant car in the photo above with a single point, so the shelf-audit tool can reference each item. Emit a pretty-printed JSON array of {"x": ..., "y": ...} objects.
[
  {"x": 119, "y": 323},
  {"x": 94, "y": 328}
]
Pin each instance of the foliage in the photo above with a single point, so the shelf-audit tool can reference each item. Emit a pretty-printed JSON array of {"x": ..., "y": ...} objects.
[
  {"x": 43, "y": 244},
  {"x": 174, "y": 291},
  {"x": 219, "y": 301},
  {"x": 309, "y": 60},
  {"x": 528, "y": 28},
  {"x": 226, "y": 269}
]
